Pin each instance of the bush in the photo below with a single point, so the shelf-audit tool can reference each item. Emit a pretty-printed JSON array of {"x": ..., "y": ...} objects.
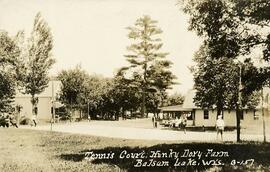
[{"x": 25, "y": 121}]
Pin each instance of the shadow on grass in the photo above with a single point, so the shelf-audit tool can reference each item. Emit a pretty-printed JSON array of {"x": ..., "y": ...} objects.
[{"x": 214, "y": 157}]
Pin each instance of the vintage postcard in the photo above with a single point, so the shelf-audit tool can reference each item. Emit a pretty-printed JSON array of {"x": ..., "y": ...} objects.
[{"x": 125, "y": 85}]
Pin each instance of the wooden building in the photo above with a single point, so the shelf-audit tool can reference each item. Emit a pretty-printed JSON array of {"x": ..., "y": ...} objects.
[{"x": 207, "y": 117}]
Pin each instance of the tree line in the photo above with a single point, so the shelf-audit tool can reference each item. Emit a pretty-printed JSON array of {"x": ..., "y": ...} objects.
[
  {"x": 96, "y": 96},
  {"x": 141, "y": 87}
]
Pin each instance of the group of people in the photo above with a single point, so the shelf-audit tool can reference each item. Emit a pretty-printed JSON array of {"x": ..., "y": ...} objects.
[
  {"x": 7, "y": 120},
  {"x": 34, "y": 120},
  {"x": 220, "y": 125},
  {"x": 182, "y": 122}
]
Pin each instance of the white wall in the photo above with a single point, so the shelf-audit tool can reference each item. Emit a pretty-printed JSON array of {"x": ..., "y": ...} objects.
[
  {"x": 44, "y": 107},
  {"x": 230, "y": 118},
  {"x": 200, "y": 121}
]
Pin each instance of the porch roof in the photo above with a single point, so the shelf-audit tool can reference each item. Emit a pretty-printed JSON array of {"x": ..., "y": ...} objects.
[{"x": 175, "y": 108}]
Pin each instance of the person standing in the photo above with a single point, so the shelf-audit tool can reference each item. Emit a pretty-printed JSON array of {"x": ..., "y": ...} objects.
[
  {"x": 153, "y": 121},
  {"x": 34, "y": 119},
  {"x": 220, "y": 127},
  {"x": 7, "y": 120},
  {"x": 13, "y": 120},
  {"x": 184, "y": 122}
]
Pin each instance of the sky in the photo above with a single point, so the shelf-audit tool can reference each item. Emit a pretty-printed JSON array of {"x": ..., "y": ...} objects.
[{"x": 93, "y": 34}]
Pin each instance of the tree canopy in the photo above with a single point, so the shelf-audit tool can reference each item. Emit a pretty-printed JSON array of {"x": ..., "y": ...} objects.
[
  {"x": 9, "y": 55},
  {"x": 73, "y": 84},
  {"x": 217, "y": 82},
  {"x": 174, "y": 99},
  {"x": 230, "y": 29},
  {"x": 38, "y": 59},
  {"x": 92, "y": 93}
]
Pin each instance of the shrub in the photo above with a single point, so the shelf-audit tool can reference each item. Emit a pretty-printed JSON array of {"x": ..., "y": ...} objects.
[{"x": 25, "y": 121}]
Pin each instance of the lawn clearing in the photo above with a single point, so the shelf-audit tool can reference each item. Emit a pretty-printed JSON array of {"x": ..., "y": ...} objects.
[{"x": 29, "y": 150}]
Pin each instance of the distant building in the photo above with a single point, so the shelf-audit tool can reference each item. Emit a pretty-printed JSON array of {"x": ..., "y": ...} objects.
[
  {"x": 207, "y": 117},
  {"x": 45, "y": 103}
]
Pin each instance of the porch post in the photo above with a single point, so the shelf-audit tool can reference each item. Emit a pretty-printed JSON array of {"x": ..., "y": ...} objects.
[{"x": 193, "y": 116}]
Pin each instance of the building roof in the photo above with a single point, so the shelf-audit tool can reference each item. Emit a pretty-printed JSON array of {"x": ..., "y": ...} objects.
[
  {"x": 189, "y": 104},
  {"x": 171, "y": 108},
  {"x": 174, "y": 108}
]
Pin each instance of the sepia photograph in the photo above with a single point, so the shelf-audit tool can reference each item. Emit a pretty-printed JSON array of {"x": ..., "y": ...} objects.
[{"x": 134, "y": 85}]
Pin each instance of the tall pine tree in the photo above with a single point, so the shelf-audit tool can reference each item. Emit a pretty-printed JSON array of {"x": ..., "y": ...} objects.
[{"x": 145, "y": 55}]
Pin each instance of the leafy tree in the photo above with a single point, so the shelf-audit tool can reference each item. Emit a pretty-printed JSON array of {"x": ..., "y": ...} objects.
[
  {"x": 145, "y": 57},
  {"x": 126, "y": 93},
  {"x": 214, "y": 80},
  {"x": 111, "y": 102},
  {"x": 73, "y": 82},
  {"x": 230, "y": 29},
  {"x": 9, "y": 49},
  {"x": 39, "y": 60},
  {"x": 155, "y": 100},
  {"x": 217, "y": 83},
  {"x": 9, "y": 54},
  {"x": 7, "y": 91},
  {"x": 106, "y": 104},
  {"x": 174, "y": 99},
  {"x": 254, "y": 14},
  {"x": 92, "y": 94}
]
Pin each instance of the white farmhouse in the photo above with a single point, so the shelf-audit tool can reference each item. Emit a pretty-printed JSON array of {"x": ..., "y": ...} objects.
[{"x": 45, "y": 103}]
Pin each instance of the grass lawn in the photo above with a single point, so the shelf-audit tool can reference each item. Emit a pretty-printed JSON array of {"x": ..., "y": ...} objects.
[{"x": 29, "y": 150}]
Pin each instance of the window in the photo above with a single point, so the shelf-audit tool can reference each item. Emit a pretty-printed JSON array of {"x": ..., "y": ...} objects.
[
  {"x": 36, "y": 111},
  {"x": 255, "y": 115},
  {"x": 189, "y": 116},
  {"x": 205, "y": 114}
]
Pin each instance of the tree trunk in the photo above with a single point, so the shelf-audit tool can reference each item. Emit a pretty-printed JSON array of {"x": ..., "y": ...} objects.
[
  {"x": 80, "y": 114},
  {"x": 123, "y": 113},
  {"x": 143, "y": 105},
  {"x": 117, "y": 116},
  {"x": 94, "y": 115},
  {"x": 70, "y": 114},
  {"x": 238, "y": 129},
  {"x": 218, "y": 112},
  {"x": 34, "y": 104}
]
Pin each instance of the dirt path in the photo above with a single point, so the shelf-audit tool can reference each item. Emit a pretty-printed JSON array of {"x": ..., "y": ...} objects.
[{"x": 114, "y": 130}]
